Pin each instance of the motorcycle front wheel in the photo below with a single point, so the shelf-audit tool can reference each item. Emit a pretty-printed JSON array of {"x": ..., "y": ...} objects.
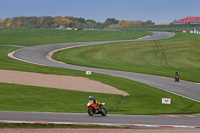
[
  {"x": 91, "y": 112},
  {"x": 103, "y": 112}
]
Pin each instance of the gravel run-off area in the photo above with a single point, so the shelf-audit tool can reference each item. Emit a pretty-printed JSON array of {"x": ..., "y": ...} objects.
[{"x": 57, "y": 81}]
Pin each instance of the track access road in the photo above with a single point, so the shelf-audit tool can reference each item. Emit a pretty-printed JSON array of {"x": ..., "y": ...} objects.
[{"x": 42, "y": 55}]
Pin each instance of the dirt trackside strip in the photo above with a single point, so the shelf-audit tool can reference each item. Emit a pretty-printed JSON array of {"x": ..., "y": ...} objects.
[{"x": 57, "y": 81}]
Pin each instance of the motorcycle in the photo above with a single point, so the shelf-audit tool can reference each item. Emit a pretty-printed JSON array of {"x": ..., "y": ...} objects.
[
  {"x": 96, "y": 108},
  {"x": 176, "y": 78}
]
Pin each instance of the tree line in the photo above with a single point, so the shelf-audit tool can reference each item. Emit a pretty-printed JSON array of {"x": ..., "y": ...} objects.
[{"x": 68, "y": 21}]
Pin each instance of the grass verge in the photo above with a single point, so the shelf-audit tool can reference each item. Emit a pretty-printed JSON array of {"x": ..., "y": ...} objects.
[
  {"x": 178, "y": 28},
  {"x": 30, "y": 37},
  {"x": 143, "y": 99}
]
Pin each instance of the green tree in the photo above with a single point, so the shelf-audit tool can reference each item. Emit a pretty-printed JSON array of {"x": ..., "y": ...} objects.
[
  {"x": 80, "y": 26},
  {"x": 90, "y": 23},
  {"x": 1, "y": 22},
  {"x": 99, "y": 25},
  {"x": 112, "y": 21},
  {"x": 47, "y": 22},
  {"x": 149, "y": 22},
  {"x": 8, "y": 22},
  {"x": 81, "y": 20}
]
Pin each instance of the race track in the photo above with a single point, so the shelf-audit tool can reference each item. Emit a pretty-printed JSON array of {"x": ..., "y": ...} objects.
[
  {"x": 42, "y": 55},
  {"x": 181, "y": 121}
]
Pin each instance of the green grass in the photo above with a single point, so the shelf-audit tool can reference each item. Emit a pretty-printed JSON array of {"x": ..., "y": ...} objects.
[
  {"x": 143, "y": 99},
  {"x": 30, "y": 37},
  {"x": 162, "y": 57},
  {"x": 179, "y": 28}
]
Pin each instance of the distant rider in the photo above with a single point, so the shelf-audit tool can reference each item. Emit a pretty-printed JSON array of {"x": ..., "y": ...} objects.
[{"x": 176, "y": 74}]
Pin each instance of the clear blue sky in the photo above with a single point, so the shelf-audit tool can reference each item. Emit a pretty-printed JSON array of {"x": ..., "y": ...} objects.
[{"x": 159, "y": 11}]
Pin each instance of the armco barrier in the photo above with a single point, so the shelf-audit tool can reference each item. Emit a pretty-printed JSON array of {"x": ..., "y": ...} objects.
[{"x": 196, "y": 32}]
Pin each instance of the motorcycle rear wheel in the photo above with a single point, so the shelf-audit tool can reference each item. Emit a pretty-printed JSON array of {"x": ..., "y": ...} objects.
[
  {"x": 176, "y": 80},
  {"x": 91, "y": 112}
]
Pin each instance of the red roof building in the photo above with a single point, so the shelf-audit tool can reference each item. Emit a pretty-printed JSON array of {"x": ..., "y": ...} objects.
[{"x": 187, "y": 20}]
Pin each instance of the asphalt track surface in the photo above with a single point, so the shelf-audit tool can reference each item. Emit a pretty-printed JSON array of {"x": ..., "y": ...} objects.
[
  {"x": 41, "y": 54},
  {"x": 143, "y": 120}
]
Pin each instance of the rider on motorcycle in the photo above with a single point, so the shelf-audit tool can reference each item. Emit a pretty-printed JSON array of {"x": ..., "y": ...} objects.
[
  {"x": 95, "y": 107},
  {"x": 96, "y": 104},
  {"x": 91, "y": 98},
  {"x": 176, "y": 74}
]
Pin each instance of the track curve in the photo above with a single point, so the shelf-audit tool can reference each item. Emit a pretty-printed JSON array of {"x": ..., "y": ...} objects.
[
  {"x": 39, "y": 55},
  {"x": 42, "y": 55}
]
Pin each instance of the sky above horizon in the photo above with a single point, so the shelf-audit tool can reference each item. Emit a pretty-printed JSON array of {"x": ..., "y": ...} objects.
[{"x": 159, "y": 11}]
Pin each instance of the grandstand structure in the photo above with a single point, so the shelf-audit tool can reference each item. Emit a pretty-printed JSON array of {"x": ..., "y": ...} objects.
[{"x": 187, "y": 21}]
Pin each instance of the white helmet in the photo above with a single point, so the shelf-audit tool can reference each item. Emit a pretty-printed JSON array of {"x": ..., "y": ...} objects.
[{"x": 90, "y": 97}]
